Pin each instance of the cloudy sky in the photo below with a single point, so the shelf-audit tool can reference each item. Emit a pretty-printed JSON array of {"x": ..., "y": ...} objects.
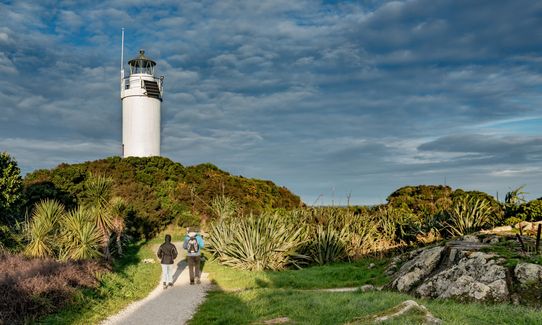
[{"x": 325, "y": 98}]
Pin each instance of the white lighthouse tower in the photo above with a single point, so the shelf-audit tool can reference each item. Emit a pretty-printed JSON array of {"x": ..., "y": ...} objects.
[{"x": 141, "y": 95}]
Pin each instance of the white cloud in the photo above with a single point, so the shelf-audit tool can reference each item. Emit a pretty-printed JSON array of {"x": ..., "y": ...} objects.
[{"x": 308, "y": 94}]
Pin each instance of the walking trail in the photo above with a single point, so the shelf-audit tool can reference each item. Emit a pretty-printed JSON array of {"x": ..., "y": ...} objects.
[{"x": 175, "y": 305}]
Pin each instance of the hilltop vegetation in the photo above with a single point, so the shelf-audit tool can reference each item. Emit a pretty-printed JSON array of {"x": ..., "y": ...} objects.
[{"x": 158, "y": 191}]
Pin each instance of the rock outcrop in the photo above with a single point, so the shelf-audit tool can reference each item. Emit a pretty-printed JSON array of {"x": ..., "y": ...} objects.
[
  {"x": 403, "y": 309},
  {"x": 529, "y": 284},
  {"x": 414, "y": 271},
  {"x": 528, "y": 273},
  {"x": 475, "y": 276},
  {"x": 459, "y": 270}
]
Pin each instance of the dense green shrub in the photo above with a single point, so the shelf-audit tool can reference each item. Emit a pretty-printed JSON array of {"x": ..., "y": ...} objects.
[
  {"x": 512, "y": 221},
  {"x": 9, "y": 238},
  {"x": 423, "y": 209},
  {"x": 530, "y": 211},
  {"x": 11, "y": 187},
  {"x": 422, "y": 200},
  {"x": 42, "y": 189}
]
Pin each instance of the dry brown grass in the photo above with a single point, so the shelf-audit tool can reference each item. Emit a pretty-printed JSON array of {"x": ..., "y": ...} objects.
[{"x": 33, "y": 287}]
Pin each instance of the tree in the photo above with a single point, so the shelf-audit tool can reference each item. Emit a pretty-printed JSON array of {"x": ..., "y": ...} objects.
[
  {"x": 11, "y": 186},
  {"x": 117, "y": 209},
  {"x": 515, "y": 197},
  {"x": 513, "y": 200}
]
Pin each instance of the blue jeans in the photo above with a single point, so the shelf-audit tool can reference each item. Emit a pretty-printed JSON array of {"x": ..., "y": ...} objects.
[{"x": 167, "y": 273}]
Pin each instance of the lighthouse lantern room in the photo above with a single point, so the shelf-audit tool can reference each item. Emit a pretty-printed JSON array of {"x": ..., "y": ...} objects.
[{"x": 141, "y": 95}]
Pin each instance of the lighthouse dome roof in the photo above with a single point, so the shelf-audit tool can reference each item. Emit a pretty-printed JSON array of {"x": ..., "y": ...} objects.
[{"x": 141, "y": 60}]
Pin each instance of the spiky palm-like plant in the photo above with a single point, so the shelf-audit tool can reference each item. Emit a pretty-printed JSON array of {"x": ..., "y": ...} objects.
[
  {"x": 515, "y": 197},
  {"x": 362, "y": 236},
  {"x": 223, "y": 207},
  {"x": 42, "y": 230},
  {"x": 256, "y": 243},
  {"x": 328, "y": 244},
  {"x": 80, "y": 236},
  {"x": 468, "y": 215},
  {"x": 98, "y": 195}
]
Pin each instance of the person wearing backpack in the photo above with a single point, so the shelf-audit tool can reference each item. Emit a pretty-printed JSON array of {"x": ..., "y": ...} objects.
[
  {"x": 193, "y": 243},
  {"x": 167, "y": 253}
]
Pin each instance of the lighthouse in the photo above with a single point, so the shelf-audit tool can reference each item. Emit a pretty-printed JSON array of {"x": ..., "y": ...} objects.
[{"x": 141, "y": 95}]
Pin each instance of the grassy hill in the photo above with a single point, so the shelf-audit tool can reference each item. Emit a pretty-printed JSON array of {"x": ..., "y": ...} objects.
[{"x": 158, "y": 191}]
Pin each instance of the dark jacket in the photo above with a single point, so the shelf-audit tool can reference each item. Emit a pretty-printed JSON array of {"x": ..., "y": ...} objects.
[{"x": 167, "y": 252}]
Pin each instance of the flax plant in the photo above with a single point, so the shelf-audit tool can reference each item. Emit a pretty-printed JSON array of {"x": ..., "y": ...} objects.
[
  {"x": 468, "y": 215},
  {"x": 328, "y": 244},
  {"x": 256, "y": 243},
  {"x": 223, "y": 207},
  {"x": 362, "y": 236}
]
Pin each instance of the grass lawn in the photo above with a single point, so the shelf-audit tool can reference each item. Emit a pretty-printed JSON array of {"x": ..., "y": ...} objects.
[
  {"x": 130, "y": 280},
  {"x": 316, "y": 277},
  {"x": 252, "y": 297}
]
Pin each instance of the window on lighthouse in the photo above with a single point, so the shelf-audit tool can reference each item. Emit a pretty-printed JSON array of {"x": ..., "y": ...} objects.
[{"x": 142, "y": 66}]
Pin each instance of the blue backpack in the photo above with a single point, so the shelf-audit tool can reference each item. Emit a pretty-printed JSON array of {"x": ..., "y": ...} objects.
[{"x": 192, "y": 245}]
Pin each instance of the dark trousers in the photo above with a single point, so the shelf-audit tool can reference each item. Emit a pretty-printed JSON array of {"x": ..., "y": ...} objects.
[{"x": 193, "y": 267}]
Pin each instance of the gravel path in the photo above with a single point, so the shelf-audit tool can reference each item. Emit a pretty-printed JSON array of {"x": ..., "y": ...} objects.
[{"x": 175, "y": 305}]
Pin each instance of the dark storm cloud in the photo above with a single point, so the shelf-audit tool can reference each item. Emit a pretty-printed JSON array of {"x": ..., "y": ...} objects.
[{"x": 361, "y": 97}]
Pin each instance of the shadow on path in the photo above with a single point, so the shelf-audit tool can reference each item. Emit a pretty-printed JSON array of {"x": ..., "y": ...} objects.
[{"x": 180, "y": 268}]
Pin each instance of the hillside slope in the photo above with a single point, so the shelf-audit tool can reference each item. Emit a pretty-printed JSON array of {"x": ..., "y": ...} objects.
[{"x": 158, "y": 191}]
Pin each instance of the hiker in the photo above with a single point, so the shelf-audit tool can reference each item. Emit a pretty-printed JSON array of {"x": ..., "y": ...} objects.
[
  {"x": 167, "y": 254},
  {"x": 193, "y": 243}
]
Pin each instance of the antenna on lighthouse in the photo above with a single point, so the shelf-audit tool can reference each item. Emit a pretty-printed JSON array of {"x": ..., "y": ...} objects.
[{"x": 122, "y": 57}]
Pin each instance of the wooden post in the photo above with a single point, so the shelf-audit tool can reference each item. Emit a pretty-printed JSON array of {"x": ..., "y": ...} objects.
[
  {"x": 538, "y": 238},
  {"x": 521, "y": 243}
]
